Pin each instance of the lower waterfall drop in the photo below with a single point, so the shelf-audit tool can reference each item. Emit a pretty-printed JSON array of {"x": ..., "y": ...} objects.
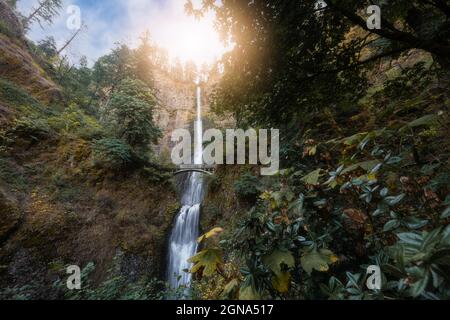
[{"x": 183, "y": 239}]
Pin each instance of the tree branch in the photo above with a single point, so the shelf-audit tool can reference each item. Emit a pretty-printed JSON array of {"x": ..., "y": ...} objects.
[{"x": 392, "y": 33}]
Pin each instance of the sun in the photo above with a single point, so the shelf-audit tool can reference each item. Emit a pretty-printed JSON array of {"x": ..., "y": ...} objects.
[{"x": 189, "y": 39}]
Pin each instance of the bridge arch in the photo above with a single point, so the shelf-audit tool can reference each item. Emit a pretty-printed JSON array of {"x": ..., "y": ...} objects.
[{"x": 192, "y": 170}]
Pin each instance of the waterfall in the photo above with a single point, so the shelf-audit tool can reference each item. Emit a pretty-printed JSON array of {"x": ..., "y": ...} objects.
[{"x": 183, "y": 239}]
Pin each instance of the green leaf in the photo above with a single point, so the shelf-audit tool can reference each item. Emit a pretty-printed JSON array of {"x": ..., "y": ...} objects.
[
  {"x": 384, "y": 192},
  {"x": 274, "y": 262},
  {"x": 317, "y": 260},
  {"x": 312, "y": 178},
  {"x": 428, "y": 120},
  {"x": 419, "y": 286},
  {"x": 414, "y": 222},
  {"x": 410, "y": 238},
  {"x": 391, "y": 225},
  {"x": 353, "y": 279},
  {"x": 354, "y": 139},
  {"x": 446, "y": 213},
  {"x": 207, "y": 261},
  {"x": 249, "y": 293},
  {"x": 278, "y": 257},
  {"x": 393, "y": 200},
  {"x": 365, "y": 165}
]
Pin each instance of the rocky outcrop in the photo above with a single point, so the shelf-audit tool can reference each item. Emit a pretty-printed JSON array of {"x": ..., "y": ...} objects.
[
  {"x": 17, "y": 66},
  {"x": 9, "y": 23}
]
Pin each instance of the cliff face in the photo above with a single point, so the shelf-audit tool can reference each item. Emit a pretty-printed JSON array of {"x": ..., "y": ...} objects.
[
  {"x": 9, "y": 21},
  {"x": 176, "y": 108},
  {"x": 16, "y": 63},
  {"x": 56, "y": 207}
]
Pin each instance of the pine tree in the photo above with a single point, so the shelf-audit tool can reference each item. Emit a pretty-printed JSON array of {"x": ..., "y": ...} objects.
[{"x": 46, "y": 11}]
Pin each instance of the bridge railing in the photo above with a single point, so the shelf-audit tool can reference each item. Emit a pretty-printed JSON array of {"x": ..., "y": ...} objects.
[{"x": 202, "y": 168}]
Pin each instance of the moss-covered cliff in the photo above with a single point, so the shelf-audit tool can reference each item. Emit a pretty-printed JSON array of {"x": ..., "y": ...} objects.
[{"x": 61, "y": 202}]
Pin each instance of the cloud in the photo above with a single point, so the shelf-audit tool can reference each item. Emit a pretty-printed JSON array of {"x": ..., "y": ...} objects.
[{"x": 112, "y": 21}]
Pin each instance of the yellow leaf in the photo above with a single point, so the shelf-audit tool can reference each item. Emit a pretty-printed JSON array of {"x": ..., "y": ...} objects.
[
  {"x": 281, "y": 282},
  {"x": 210, "y": 234},
  {"x": 206, "y": 261},
  {"x": 312, "y": 151}
]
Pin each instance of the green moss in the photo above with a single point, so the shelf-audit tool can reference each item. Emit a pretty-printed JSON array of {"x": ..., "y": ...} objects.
[
  {"x": 16, "y": 96},
  {"x": 5, "y": 29},
  {"x": 11, "y": 175},
  {"x": 10, "y": 217}
]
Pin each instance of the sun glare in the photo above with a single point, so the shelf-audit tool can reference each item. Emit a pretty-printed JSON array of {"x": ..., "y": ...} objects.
[{"x": 188, "y": 38}]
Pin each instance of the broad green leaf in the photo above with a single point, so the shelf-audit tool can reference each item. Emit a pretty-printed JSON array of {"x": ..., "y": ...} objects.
[
  {"x": 249, "y": 293},
  {"x": 207, "y": 260},
  {"x": 354, "y": 139},
  {"x": 353, "y": 279},
  {"x": 410, "y": 238},
  {"x": 274, "y": 262},
  {"x": 414, "y": 222},
  {"x": 446, "y": 213},
  {"x": 312, "y": 178},
  {"x": 278, "y": 257},
  {"x": 393, "y": 200},
  {"x": 428, "y": 120},
  {"x": 318, "y": 260},
  {"x": 391, "y": 225},
  {"x": 419, "y": 286},
  {"x": 365, "y": 165}
]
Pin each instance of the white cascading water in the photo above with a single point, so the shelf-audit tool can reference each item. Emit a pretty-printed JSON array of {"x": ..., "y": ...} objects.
[{"x": 183, "y": 239}]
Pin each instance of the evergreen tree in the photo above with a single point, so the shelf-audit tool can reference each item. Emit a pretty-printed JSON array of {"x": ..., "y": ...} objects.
[
  {"x": 129, "y": 114},
  {"x": 45, "y": 12}
]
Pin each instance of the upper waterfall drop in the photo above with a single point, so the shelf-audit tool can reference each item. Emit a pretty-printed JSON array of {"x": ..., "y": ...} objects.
[{"x": 198, "y": 140}]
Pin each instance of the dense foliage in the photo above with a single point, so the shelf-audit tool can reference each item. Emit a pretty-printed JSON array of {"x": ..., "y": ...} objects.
[
  {"x": 364, "y": 124},
  {"x": 364, "y": 151}
]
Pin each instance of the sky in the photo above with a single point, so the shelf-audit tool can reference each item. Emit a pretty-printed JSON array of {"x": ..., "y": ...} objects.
[{"x": 112, "y": 21}]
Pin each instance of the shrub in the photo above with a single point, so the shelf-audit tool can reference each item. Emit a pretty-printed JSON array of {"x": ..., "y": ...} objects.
[
  {"x": 75, "y": 121},
  {"x": 16, "y": 96},
  {"x": 112, "y": 153},
  {"x": 33, "y": 128},
  {"x": 129, "y": 114},
  {"x": 248, "y": 186}
]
